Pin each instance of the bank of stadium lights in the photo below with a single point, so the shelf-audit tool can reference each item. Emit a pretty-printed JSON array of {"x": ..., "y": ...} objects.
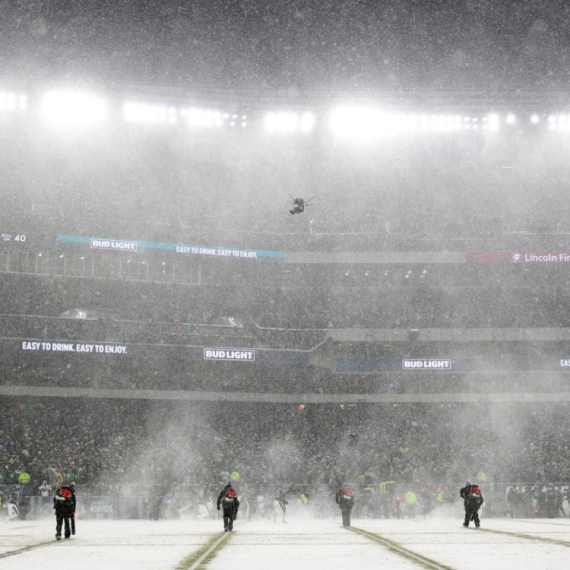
[
  {"x": 194, "y": 118},
  {"x": 289, "y": 122},
  {"x": 150, "y": 114},
  {"x": 210, "y": 119},
  {"x": 559, "y": 122},
  {"x": 362, "y": 123},
  {"x": 66, "y": 107},
  {"x": 13, "y": 102},
  {"x": 491, "y": 122},
  {"x": 204, "y": 118}
]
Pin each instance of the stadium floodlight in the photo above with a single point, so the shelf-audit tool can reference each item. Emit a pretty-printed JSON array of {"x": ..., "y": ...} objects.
[
  {"x": 511, "y": 119},
  {"x": 491, "y": 122},
  {"x": 282, "y": 122},
  {"x": 534, "y": 119},
  {"x": 360, "y": 122},
  {"x": 552, "y": 123},
  {"x": 306, "y": 122},
  {"x": 69, "y": 107},
  {"x": 289, "y": 122},
  {"x": 442, "y": 123},
  {"x": 203, "y": 118},
  {"x": 13, "y": 102},
  {"x": 558, "y": 123},
  {"x": 152, "y": 114}
]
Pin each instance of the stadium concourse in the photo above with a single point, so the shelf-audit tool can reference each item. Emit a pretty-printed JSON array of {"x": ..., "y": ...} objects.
[{"x": 437, "y": 544}]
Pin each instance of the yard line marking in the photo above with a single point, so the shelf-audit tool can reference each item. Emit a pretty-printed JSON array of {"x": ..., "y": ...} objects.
[
  {"x": 25, "y": 549},
  {"x": 191, "y": 563},
  {"x": 404, "y": 552},
  {"x": 527, "y": 536},
  {"x": 561, "y": 524}
]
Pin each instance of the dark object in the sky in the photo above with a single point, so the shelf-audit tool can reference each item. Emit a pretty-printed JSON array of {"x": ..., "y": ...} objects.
[{"x": 299, "y": 205}]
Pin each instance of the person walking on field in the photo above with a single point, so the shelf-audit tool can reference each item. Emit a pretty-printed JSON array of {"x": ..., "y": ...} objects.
[
  {"x": 472, "y": 501},
  {"x": 228, "y": 499},
  {"x": 64, "y": 505},
  {"x": 280, "y": 503}
]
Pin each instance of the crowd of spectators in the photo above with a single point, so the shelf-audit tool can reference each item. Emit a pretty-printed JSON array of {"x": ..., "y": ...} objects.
[
  {"x": 283, "y": 317},
  {"x": 103, "y": 443},
  {"x": 45, "y": 372}
]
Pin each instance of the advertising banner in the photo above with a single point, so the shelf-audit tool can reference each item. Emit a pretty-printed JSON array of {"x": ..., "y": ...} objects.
[
  {"x": 429, "y": 364},
  {"x": 518, "y": 257},
  {"x": 229, "y": 354},
  {"x": 466, "y": 364},
  {"x": 137, "y": 350},
  {"x": 81, "y": 242}
]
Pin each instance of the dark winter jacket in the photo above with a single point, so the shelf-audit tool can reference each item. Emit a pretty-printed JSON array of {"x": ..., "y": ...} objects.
[
  {"x": 472, "y": 497},
  {"x": 345, "y": 499},
  {"x": 228, "y": 499},
  {"x": 64, "y": 501}
]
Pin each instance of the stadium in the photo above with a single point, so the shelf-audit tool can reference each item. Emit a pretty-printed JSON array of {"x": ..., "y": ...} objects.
[{"x": 168, "y": 325}]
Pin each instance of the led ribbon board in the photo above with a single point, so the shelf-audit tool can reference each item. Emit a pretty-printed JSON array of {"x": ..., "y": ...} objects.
[
  {"x": 50, "y": 347},
  {"x": 131, "y": 246},
  {"x": 441, "y": 365},
  {"x": 517, "y": 257}
]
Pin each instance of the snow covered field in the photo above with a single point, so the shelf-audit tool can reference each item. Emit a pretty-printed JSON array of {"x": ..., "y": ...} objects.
[{"x": 300, "y": 544}]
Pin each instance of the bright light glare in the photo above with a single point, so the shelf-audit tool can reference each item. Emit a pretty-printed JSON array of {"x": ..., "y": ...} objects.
[
  {"x": 289, "y": 122},
  {"x": 145, "y": 113},
  {"x": 363, "y": 123},
  {"x": 491, "y": 122},
  {"x": 559, "y": 122},
  {"x": 203, "y": 118},
  {"x": 281, "y": 122},
  {"x": 534, "y": 119},
  {"x": 306, "y": 122},
  {"x": 73, "y": 107},
  {"x": 511, "y": 119},
  {"x": 13, "y": 102}
]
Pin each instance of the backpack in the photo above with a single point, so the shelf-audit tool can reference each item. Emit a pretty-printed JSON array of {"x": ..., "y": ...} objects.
[
  {"x": 65, "y": 494},
  {"x": 475, "y": 493},
  {"x": 229, "y": 496}
]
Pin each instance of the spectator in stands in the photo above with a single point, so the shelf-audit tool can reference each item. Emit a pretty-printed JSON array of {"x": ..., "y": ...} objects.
[{"x": 44, "y": 491}]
